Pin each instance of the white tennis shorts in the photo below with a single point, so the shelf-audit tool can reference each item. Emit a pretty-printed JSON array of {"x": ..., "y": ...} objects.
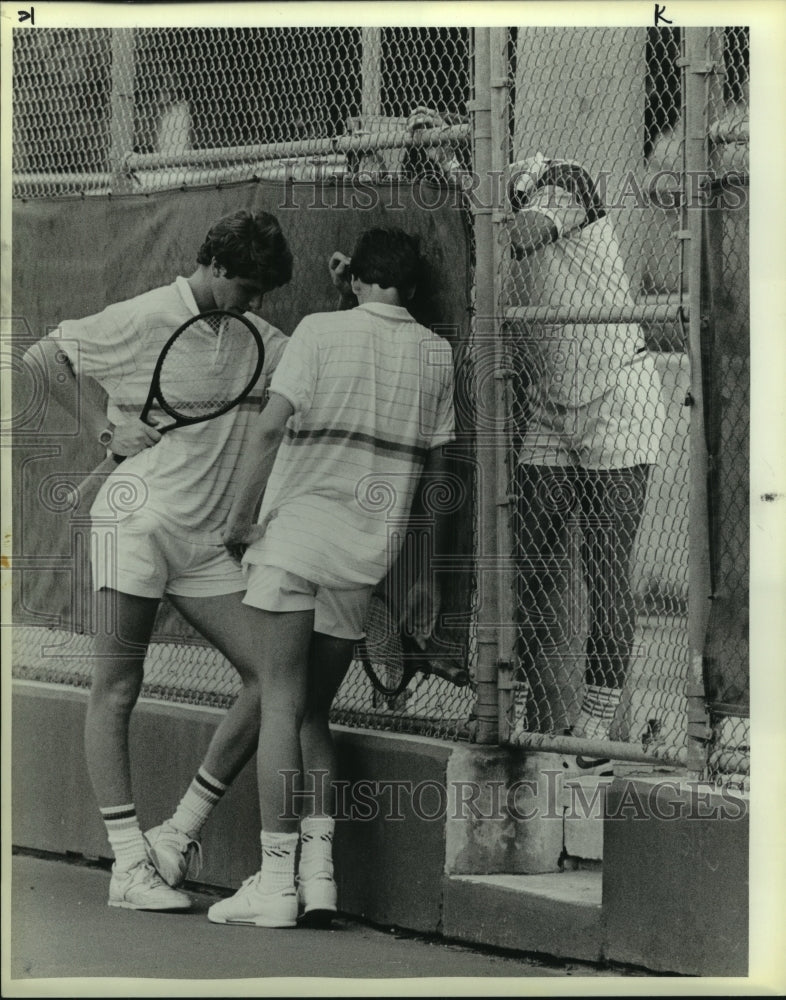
[
  {"x": 339, "y": 613},
  {"x": 138, "y": 554}
]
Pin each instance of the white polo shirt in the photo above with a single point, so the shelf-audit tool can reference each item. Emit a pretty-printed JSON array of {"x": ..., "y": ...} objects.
[
  {"x": 186, "y": 478},
  {"x": 373, "y": 393},
  {"x": 572, "y": 364}
]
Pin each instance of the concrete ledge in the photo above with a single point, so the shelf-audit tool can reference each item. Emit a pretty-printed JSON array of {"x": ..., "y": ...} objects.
[
  {"x": 558, "y": 914},
  {"x": 389, "y": 857},
  {"x": 674, "y": 889},
  {"x": 53, "y": 807},
  {"x": 675, "y": 877}
]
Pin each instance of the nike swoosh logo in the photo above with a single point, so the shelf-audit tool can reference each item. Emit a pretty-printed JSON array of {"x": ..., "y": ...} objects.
[{"x": 585, "y": 763}]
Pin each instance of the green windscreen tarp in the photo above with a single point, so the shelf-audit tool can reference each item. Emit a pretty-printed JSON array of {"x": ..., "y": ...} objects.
[{"x": 73, "y": 256}]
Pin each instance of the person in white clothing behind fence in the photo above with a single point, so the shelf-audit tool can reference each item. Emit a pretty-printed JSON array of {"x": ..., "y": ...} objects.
[
  {"x": 360, "y": 405},
  {"x": 593, "y": 422}
]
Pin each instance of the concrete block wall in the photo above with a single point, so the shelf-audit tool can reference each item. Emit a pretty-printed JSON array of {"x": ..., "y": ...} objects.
[{"x": 464, "y": 841}]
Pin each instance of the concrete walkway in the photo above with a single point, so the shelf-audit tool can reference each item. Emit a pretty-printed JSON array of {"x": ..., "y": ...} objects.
[{"x": 62, "y": 933}]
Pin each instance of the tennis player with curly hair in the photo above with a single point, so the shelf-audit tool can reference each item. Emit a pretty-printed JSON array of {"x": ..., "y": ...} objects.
[{"x": 171, "y": 543}]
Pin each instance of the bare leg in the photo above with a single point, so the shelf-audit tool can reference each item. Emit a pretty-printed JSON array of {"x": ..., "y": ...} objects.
[
  {"x": 125, "y": 623},
  {"x": 284, "y": 641},
  {"x": 232, "y": 628},
  {"x": 328, "y": 663},
  {"x": 125, "y": 626}
]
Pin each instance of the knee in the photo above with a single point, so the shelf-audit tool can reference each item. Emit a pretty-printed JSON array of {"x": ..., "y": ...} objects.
[
  {"x": 274, "y": 709},
  {"x": 117, "y": 694}
]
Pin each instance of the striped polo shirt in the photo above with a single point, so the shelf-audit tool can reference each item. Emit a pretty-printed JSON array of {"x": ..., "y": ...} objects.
[
  {"x": 185, "y": 479},
  {"x": 372, "y": 392}
]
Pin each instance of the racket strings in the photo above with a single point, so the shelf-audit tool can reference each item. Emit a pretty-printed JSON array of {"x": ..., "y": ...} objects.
[
  {"x": 384, "y": 650},
  {"x": 203, "y": 371}
]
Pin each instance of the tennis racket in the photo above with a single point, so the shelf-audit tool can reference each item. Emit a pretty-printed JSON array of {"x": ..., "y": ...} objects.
[
  {"x": 200, "y": 373},
  {"x": 382, "y": 651}
]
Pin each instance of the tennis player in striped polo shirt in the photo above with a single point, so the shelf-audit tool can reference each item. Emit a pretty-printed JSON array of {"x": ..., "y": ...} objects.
[{"x": 359, "y": 406}]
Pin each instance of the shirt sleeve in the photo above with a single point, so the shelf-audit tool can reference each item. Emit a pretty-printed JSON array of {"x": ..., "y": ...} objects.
[
  {"x": 104, "y": 346},
  {"x": 558, "y": 205},
  {"x": 275, "y": 343},
  {"x": 445, "y": 425},
  {"x": 295, "y": 376}
]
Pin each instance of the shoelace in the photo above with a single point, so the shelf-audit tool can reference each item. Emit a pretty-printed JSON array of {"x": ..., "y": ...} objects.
[
  {"x": 145, "y": 872},
  {"x": 193, "y": 848},
  {"x": 249, "y": 882}
]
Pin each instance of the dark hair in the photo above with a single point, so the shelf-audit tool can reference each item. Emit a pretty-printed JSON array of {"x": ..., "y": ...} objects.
[
  {"x": 249, "y": 245},
  {"x": 389, "y": 258}
]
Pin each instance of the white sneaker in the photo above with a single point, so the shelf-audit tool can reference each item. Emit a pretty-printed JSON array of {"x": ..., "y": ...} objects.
[
  {"x": 175, "y": 855},
  {"x": 141, "y": 888},
  {"x": 250, "y": 905},
  {"x": 318, "y": 896}
]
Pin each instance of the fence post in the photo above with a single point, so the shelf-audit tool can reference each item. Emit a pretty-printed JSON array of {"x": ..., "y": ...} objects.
[
  {"x": 370, "y": 72},
  {"x": 486, "y": 708},
  {"x": 696, "y": 68},
  {"x": 121, "y": 126},
  {"x": 500, "y": 159}
]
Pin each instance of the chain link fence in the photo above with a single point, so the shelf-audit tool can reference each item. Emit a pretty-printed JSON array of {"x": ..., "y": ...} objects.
[
  {"x": 117, "y": 112},
  {"x": 597, "y": 374},
  {"x": 110, "y": 111},
  {"x": 593, "y": 288},
  {"x": 598, "y": 444},
  {"x": 726, "y": 360}
]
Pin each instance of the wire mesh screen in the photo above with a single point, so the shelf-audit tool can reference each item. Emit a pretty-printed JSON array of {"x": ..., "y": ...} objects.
[
  {"x": 726, "y": 350},
  {"x": 143, "y": 110},
  {"x": 62, "y": 113},
  {"x": 598, "y": 379},
  {"x": 140, "y": 109}
]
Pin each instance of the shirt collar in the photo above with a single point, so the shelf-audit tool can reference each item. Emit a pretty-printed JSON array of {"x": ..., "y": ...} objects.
[
  {"x": 184, "y": 288},
  {"x": 388, "y": 311}
]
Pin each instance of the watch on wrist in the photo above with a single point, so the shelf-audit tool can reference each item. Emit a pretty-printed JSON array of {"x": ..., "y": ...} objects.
[{"x": 106, "y": 436}]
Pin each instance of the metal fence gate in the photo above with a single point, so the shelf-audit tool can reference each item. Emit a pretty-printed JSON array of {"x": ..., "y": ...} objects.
[
  {"x": 615, "y": 381},
  {"x": 656, "y": 121}
]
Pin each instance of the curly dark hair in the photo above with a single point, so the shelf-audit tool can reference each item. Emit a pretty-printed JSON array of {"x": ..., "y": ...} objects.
[
  {"x": 249, "y": 245},
  {"x": 389, "y": 258}
]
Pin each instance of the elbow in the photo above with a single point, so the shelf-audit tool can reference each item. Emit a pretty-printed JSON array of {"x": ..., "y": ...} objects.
[
  {"x": 44, "y": 356},
  {"x": 269, "y": 436}
]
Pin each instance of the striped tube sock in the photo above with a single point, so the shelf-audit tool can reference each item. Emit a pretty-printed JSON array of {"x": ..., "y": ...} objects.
[
  {"x": 597, "y": 712},
  {"x": 196, "y": 805},
  {"x": 278, "y": 861},
  {"x": 316, "y": 846},
  {"x": 125, "y": 836}
]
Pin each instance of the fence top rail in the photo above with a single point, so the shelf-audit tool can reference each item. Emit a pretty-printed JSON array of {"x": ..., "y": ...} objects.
[
  {"x": 358, "y": 142},
  {"x": 637, "y": 312}
]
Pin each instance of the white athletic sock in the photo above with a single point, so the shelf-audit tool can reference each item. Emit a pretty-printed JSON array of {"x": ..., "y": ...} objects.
[
  {"x": 316, "y": 846},
  {"x": 597, "y": 712},
  {"x": 278, "y": 861},
  {"x": 196, "y": 805},
  {"x": 125, "y": 835}
]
